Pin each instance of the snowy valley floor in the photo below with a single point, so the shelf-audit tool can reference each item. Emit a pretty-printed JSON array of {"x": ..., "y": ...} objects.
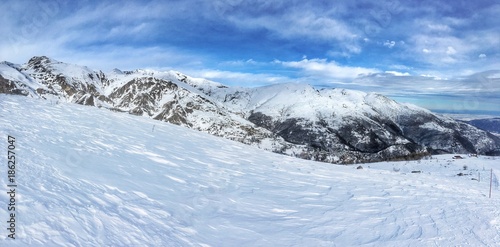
[{"x": 92, "y": 177}]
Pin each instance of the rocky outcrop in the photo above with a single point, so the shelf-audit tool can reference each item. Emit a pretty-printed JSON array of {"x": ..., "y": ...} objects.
[
  {"x": 10, "y": 87},
  {"x": 73, "y": 83}
]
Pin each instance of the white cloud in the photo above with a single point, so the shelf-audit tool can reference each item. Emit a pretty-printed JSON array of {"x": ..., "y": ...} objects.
[
  {"x": 238, "y": 78},
  {"x": 389, "y": 44},
  {"x": 440, "y": 51},
  {"x": 450, "y": 42},
  {"x": 327, "y": 69},
  {"x": 299, "y": 24},
  {"x": 434, "y": 77},
  {"x": 348, "y": 49},
  {"x": 396, "y": 73},
  {"x": 241, "y": 63},
  {"x": 400, "y": 67},
  {"x": 451, "y": 51},
  {"x": 306, "y": 25},
  {"x": 482, "y": 55},
  {"x": 476, "y": 85},
  {"x": 439, "y": 27}
]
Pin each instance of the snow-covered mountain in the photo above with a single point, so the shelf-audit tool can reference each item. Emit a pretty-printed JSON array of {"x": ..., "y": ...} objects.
[
  {"x": 331, "y": 125},
  {"x": 51, "y": 79},
  {"x": 365, "y": 122},
  {"x": 159, "y": 95},
  {"x": 489, "y": 124},
  {"x": 92, "y": 177}
]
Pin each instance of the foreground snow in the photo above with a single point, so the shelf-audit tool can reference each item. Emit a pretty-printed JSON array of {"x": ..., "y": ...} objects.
[{"x": 90, "y": 177}]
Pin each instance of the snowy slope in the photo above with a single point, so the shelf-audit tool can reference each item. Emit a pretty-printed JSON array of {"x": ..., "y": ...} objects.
[{"x": 92, "y": 177}]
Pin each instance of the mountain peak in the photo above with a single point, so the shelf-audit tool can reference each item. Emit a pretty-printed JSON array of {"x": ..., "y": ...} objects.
[
  {"x": 38, "y": 62},
  {"x": 40, "y": 59},
  {"x": 117, "y": 71}
]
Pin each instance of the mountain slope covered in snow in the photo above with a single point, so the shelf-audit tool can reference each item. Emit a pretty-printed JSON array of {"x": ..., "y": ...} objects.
[
  {"x": 354, "y": 124},
  {"x": 331, "y": 125},
  {"x": 92, "y": 177},
  {"x": 159, "y": 95},
  {"x": 488, "y": 124}
]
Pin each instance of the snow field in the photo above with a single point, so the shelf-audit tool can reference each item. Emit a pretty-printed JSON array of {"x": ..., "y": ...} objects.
[{"x": 92, "y": 177}]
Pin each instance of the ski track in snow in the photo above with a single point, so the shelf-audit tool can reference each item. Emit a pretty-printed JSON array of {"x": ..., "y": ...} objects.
[{"x": 91, "y": 177}]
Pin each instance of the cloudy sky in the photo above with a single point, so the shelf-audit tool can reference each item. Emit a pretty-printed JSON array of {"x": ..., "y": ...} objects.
[{"x": 435, "y": 53}]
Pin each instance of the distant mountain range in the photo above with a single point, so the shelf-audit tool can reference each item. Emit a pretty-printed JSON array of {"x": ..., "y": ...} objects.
[
  {"x": 330, "y": 125},
  {"x": 489, "y": 124}
]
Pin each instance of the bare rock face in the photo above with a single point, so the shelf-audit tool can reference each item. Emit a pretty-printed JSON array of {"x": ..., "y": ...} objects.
[
  {"x": 330, "y": 125},
  {"x": 10, "y": 87}
]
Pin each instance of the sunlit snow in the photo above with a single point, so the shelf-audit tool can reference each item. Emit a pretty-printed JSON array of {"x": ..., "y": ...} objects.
[{"x": 92, "y": 177}]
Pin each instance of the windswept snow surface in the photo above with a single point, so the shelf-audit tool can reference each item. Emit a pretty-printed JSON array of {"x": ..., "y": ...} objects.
[{"x": 91, "y": 177}]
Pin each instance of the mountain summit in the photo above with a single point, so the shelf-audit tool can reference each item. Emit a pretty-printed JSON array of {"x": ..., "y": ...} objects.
[{"x": 330, "y": 125}]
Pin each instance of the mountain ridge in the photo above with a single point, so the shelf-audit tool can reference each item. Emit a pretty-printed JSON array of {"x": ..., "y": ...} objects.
[
  {"x": 488, "y": 124},
  {"x": 330, "y": 125}
]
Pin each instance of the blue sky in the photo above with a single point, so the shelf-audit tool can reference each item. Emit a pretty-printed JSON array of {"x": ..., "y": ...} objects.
[{"x": 437, "y": 54}]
